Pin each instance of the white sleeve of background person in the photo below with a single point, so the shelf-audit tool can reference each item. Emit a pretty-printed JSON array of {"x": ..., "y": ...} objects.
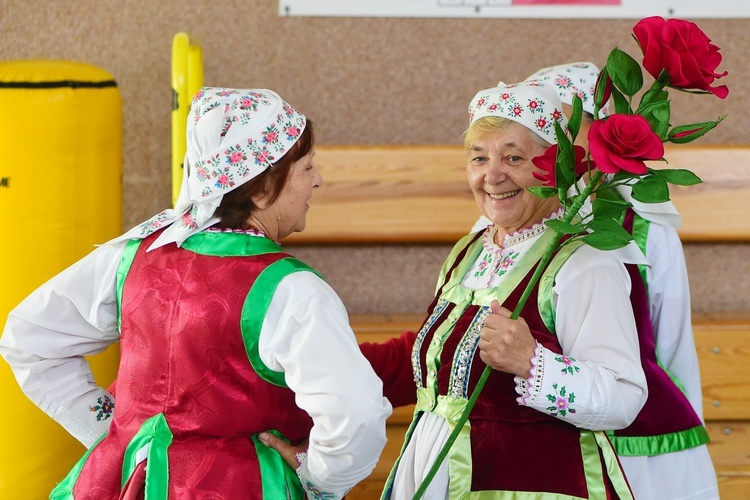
[
  {"x": 670, "y": 308},
  {"x": 48, "y": 334},
  {"x": 306, "y": 335}
]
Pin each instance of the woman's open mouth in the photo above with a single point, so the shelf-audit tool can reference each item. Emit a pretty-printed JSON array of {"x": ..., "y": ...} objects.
[{"x": 503, "y": 195}]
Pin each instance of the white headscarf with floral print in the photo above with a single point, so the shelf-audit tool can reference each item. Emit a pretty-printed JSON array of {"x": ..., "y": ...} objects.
[
  {"x": 578, "y": 78},
  {"x": 533, "y": 104},
  {"x": 232, "y": 136}
]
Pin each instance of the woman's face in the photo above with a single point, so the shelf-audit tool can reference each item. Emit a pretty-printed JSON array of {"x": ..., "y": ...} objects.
[
  {"x": 499, "y": 170},
  {"x": 288, "y": 214}
]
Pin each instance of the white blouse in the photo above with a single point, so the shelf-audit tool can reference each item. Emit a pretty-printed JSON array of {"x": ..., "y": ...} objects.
[{"x": 306, "y": 335}]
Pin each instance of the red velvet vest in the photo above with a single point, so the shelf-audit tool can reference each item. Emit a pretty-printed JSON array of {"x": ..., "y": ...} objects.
[{"x": 187, "y": 356}]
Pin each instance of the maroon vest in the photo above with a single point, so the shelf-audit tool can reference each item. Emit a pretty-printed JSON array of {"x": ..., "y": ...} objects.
[
  {"x": 667, "y": 409},
  {"x": 513, "y": 447}
]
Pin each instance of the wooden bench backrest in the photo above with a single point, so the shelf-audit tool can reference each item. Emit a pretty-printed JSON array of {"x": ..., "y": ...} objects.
[{"x": 419, "y": 194}]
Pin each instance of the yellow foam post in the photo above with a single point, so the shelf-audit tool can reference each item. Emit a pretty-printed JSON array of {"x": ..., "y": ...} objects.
[
  {"x": 60, "y": 194},
  {"x": 187, "y": 80}
]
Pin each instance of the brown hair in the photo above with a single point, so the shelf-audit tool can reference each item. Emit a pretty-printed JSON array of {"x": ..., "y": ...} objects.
[{"x": 237, "y": 205}]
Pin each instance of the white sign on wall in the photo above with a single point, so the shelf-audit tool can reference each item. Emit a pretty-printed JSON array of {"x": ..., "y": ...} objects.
[{"x": 560, "y": 9}]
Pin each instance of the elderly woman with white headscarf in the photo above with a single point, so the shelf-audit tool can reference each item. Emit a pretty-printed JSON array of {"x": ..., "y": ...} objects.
[
  {"x": 223, "y": 335},
  {"x": 568, "y": 368},
  {"x": 663, "y": 452}
]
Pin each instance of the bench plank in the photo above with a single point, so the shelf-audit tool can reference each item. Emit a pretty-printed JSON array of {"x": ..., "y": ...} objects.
[{"x": 413, "y": 194}]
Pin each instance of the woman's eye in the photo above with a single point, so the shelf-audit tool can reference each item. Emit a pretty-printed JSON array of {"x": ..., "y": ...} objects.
[
  {"x": 479, "y": 159},
  {"x": 514, "y": 159}
]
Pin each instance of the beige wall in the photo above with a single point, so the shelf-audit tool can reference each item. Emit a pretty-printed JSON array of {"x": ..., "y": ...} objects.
[{"x": 364, "y": 81}]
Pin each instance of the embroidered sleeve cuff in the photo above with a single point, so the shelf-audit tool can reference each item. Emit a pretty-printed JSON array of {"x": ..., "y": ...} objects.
[
  {"x": 554, "y": 383},
  {"x": 528, "y": 389},
  {"x": 311, "y": 490}
]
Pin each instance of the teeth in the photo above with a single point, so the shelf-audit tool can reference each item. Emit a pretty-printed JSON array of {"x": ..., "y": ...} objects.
[{"x": 502, "y": 196}]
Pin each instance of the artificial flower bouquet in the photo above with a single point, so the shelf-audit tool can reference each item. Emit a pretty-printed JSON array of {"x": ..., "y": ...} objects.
[{"x": 678, "y": 55}]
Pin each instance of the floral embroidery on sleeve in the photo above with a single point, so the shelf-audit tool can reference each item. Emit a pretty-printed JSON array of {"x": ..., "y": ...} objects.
[
  {"x": 311, "y": 491},
  {"x": 105, "y": 407},
  {"x": 561, "y": 402},
  {"x": 569, "y": 366}
]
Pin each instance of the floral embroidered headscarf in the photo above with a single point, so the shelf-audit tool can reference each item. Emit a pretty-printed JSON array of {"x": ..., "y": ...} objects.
[
  {"x": 233, "y": 135},
  {"x": 533, "y": 104},
  {"x": 578, "y": 78}
]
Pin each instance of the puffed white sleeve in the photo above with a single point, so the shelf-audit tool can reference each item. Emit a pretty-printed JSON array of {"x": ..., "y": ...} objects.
[
  {"x": 306, "y": 335},
  {"x": 598, "y": 383},
  {"x": 669, "y": 301},
  {"x": 48, "y": 334}
]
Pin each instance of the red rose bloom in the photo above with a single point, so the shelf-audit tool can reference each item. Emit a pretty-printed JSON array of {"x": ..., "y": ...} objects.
[
  {"x": 546, "y": 163},
  {"x": 683, "y": 50},
  {"x": 623, "y": 142}
]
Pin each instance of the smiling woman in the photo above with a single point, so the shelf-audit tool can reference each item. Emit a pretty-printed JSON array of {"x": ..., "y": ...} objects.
[
  {"x": 567, "y": 370},
  {"x": 500, "y": 170}
]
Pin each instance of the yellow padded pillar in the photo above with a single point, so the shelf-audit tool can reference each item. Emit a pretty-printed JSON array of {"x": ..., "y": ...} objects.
[
  {"x": 60, "y": 194},
  {"x": 187, "y": 80}
]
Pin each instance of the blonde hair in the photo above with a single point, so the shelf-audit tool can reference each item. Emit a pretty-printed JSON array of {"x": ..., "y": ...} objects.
[{"x": 491, "y": 125}]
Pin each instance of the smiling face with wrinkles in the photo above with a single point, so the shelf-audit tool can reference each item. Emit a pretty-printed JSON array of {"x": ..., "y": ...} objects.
[{"x": 499, "y": 170}]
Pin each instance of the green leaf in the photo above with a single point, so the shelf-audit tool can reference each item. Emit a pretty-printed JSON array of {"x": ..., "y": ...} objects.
[
  {"x": 651, "y": 189},
  {"x": 610, "y": 225},
  {"x": 543, "y": 191},
  {"x": 574, "y": 122},
  {"x": 652, "y": 96},
  {"x": 678, "y": 176},
  {"x": 564, "y": 227},
  {"x": 657, "y": 115},
  {"x": 607, "y": 192},
  {"x": 622, "y": 106},
  {"x": 609, "y": 208},
  {"x": 604, "y": 240},
  {"x": 622, "y": 175},
  {"x": 625, "y": 72}
]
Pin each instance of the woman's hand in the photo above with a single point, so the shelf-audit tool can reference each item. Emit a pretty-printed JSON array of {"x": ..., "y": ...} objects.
[
  {"x": 288, "y": 452},
  {"x": 505, "y": 344}
]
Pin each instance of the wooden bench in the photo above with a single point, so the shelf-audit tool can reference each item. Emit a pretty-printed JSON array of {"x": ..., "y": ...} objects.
[
  {"x": 723, "y": 345},
  {"x": 419, "y": 194}
]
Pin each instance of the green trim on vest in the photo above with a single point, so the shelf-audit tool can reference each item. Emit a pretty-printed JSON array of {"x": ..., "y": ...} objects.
[
  {"x": 255, "y": 308},
  {"x": 64, "y": 489},
  {"x": 638, "y": 446},
  {"x": 641, "y": 227},
  {"x": 278, "y": 480},
  {"x": 155, "y": 434},
  {"x": 128, "y": 255},
  {"x": 227, "y": 244},
  {"x": 547, "y": 281},
  {"x": 451, "y": 259}
]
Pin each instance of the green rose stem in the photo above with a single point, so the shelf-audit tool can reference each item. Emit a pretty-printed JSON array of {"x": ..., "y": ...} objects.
[{"x": 551, "y": 248}]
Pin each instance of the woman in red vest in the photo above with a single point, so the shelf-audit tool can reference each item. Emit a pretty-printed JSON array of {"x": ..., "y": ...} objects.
[{"x": 223, "y": 335}]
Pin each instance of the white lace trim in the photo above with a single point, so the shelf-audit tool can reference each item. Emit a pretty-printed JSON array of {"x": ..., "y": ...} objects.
[
  {"x": 253, "y": 232},
  {"x": 513, "y": 239},
  {"x": 528, "y": 389}
]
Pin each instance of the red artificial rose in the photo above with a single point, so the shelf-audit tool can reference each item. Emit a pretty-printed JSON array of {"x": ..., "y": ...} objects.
[
  {"x": 546, "y": 163},
  {"x": 623, "y": 142},
  {"x": 683, "y": 50}
]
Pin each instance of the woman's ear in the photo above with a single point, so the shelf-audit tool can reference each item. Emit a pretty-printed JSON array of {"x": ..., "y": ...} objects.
[{"x": 261, "y": 200}]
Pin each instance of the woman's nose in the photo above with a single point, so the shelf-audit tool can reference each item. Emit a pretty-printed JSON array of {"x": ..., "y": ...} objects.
[
  {"x": 318, "y": 177},
  {"x": 494, "y": 173}
]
